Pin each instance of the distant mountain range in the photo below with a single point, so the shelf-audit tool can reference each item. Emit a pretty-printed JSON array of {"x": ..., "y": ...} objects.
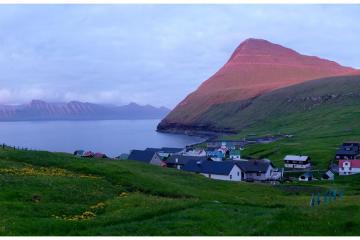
[
  {"x": 247, "y": 88},
  {"x": 38, "y": 110}
]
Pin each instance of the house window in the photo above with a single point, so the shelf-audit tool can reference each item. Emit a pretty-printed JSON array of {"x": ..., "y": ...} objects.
[
  {"x": 238, "y": 174},
  {"x": 230, "y": 176},
  {"x": 258, "y": 174}
]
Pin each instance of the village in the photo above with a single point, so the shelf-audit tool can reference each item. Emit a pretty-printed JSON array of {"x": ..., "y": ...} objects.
[{"x": 222, "y": 160}]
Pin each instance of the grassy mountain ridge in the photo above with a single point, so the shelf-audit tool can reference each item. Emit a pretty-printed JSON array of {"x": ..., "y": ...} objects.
[
  {"x": 335, "y": 92},
  {"x": 38, "y": 110}
]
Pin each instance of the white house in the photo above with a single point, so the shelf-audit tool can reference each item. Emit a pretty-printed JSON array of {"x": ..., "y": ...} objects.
[
  {"x": 195, "y": 153},
  {"x": 349, "y": 167},
  {"x": 235, "y": 154},
  {"x": 295, "y": 161},
  {"x": 166, "y": 151},
  {"x": 226, "y": 170}
]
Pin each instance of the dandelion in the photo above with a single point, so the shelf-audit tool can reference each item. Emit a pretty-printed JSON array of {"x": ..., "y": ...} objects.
[
  {"x": 99, "y": 205},
  {"x": 42, "y": 171},
  {"x": 123, "y": 194},
  {"x": 87, "y": 215}
]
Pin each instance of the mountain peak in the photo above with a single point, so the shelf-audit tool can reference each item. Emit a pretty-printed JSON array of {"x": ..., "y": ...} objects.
[
  {"x": 256, "y": 67},
  {"x": 260, "y": 47}
]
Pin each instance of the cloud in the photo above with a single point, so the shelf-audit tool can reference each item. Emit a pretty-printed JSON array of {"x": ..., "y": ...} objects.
[{"x": 154, "y": 54}]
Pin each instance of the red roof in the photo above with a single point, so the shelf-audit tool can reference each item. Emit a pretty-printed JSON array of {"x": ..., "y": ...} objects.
[
  {"x": 88, "y": 154},
  {"x": 99, "y": 155},
  {"x": 355, "y": 163}
]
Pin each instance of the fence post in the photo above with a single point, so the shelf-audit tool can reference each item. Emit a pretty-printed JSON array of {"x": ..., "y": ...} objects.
[{"x": 312, "y": 200}]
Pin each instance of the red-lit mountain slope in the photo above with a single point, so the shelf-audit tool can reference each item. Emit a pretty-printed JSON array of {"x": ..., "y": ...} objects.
[{"x": 256, "y": 67}]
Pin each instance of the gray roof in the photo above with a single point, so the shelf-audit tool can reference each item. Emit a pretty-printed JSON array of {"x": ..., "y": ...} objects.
[
  {"x": 211, "y": 149},
  {"x": 209, "y": 167},
  {"x": 153, "y": 149},
  {"x": 171, "y": 150},
  {"x": 296, "y": 158},
  {"x": 255, "y": 166},
  {"x": 141, "y": 155},
  {"x": 183, "y": 159},
  {"x": 346, "y": 152}
]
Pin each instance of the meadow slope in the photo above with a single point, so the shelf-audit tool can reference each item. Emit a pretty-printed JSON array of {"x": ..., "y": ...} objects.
[{"x": 57, "y": 194}]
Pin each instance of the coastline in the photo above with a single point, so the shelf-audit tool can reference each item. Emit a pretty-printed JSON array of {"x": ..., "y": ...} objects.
[{"x": 206, "y": 134}]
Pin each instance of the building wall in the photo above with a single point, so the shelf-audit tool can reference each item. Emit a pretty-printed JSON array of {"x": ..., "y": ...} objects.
[
  {"x": 195, "y": 154},
  {"x": 342, "y": 156},
  {"x": 235, "y": 157},
  {"x": 297, "y": 165},
  {"x": 347, "y": 169},
  {"x": 262, "y": 176},
  {"x": 156, "y": 160},
  {"x": 235, "y": 174}
]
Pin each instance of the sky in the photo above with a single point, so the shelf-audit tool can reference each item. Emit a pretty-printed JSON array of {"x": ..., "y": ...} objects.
[{"x": 152, "y": 54}]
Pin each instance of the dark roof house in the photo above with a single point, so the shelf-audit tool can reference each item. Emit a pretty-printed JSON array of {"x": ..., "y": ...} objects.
[
  {"x": 209, "y": 167},
  {"x": 254, "y": 166},
  {"x": 178, "y": 161},
  {"x": 347, "y": 152},
  {"x": 145, "y": 156},
  {"x": 88, "y": 154}
]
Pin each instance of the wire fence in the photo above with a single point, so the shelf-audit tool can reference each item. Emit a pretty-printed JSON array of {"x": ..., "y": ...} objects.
[
  {"x": 328, "y": 197},
  {"x": 5, "y": 146}
]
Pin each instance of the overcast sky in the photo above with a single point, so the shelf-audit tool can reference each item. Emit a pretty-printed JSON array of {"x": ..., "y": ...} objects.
[{"x": 152, "y": 54}]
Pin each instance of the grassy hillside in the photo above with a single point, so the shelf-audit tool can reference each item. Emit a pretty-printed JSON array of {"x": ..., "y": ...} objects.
[
  {"x": 320, "y": 114},
  {"x": 329, "y": 94},
  {"x": 317, "y": 133},
  {"x": 46, "y": 193}
]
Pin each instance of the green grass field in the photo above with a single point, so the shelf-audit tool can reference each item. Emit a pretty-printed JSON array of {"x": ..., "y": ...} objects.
[
  {"x": 55, "y": 194},
  {"x": 317, "y": 133}
]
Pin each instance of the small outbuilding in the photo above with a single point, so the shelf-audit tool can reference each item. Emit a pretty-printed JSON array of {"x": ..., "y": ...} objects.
[
  {"x": 306, "y": 177},
  {"x": 79, "y": 153},
  {"x": 329, "y": 175},
  {"x": 235, "y": 154},
  {"x": 122, "y": 156},
  {"x": 297, "y": 161}
]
